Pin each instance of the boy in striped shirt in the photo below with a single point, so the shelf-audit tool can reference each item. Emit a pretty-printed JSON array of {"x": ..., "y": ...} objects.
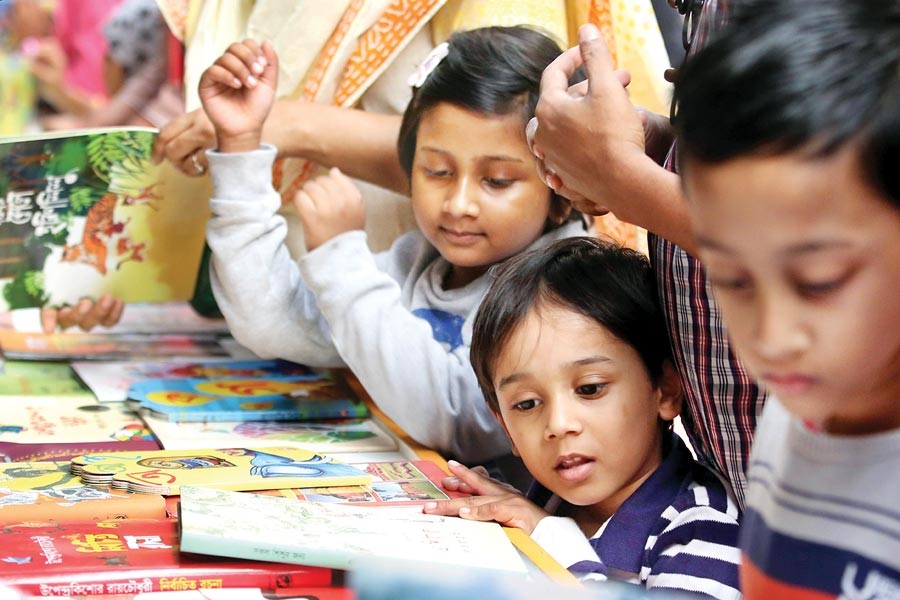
[{"x": 571, "y": 352}]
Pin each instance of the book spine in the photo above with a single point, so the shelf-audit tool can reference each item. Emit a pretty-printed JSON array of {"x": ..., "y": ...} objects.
[{"x": 87, "y": 584}]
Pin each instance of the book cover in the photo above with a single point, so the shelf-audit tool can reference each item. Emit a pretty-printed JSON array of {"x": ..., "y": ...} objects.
[
  {"x": 268, "y": 398},
  {"x": 76, "y": 504},
  {"x": 165, "y": 471},
  {"x": 40, "y": 419},
  {"x": 129, "y": 557},
  {"x": 106, "y": 346},
  {"x": 399, "y": 483},
  {"x": 86, "y": 212},
  {"x": 325, "y": 436},
  {"x": 63, "y": 451},
  {"x": 25, "y": 378},
  {"x": 224, "y": 523},
  {"x": 110, "y": 380}
]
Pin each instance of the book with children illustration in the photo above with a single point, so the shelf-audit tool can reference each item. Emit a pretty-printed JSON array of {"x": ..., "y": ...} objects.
[
  {"x": 110, "y": 380},
  {"x": 130, "y": 557},
  {"x": 86, "y": 212},
  {"x": 327, "y": 436},
  {"x": 29, "y": 378},
  {"x": 224, "y": 523},
  {"x": 269, "y": 398},
  {"x": 165, "y": 471},
  {"x": 399, "y": 483},
  {"x": 38, "y": 419}
]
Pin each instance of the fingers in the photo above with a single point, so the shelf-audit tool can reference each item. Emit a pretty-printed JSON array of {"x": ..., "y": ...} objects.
[
  {"x": 184, "y": 138},
  {"x": 86, "y": 314},
  {"x": 171, "y": 132},
  {"x": 557, "y": 74},
  {"x": 49, "y": 319},
  {"x": 476, "y": 480}
]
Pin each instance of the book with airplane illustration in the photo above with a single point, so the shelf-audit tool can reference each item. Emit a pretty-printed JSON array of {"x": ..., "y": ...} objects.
[{"x": 86, "y": 212}]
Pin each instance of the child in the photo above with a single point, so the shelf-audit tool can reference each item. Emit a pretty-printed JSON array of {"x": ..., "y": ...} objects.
[
  {"x": 401, "y": 320},
  {"x": 795, "y": 199},
  {"x": 571, "y": 352}
]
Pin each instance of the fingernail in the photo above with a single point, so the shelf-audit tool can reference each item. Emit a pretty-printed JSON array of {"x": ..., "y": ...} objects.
[
  {"x": 251, "y": 81},
  {"x": 236, "y": 83},
  {"x": 430, "y": 505},
  {"x": 256, "y": 68},
  {"x": 465, "y": 510},
  {"x": 453, "y": 463},
  {"x": 588, "y": 33}
]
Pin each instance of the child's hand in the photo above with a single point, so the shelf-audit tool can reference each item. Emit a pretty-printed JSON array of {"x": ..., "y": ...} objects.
[
  {"x": 328, "y": 206},
  {"x": 87, "y": 314},
  {"x": 47, "y": 62},
  {"x": 237, "y": 92},
  {"x": 474, "y": 481},
  {"x": 509, "y": 509}
]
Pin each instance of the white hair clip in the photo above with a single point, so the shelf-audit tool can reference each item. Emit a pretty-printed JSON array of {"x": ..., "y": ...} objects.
[{"x": 434, "y": 58}]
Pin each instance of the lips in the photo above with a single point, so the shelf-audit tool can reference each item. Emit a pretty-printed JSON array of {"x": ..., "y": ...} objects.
[
  {"x": 789, "y": 384},
  {"x": 460, "y": 236},
  {"x": 574, "y": 467}
]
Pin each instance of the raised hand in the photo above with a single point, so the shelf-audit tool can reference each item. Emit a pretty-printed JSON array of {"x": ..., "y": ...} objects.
[
  {"x": 237, "y": 92},
  {"x": 86, "y": 314},
  {"x": 494, "y": 501},
  {"x": 328, "y": 206},
  {"x": 585, "y": 137}
]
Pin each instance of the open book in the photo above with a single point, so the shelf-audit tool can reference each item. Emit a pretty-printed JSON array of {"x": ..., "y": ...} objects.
[
  {"x": 224, "y": 523},
  {"x": 85, "y": 212}
]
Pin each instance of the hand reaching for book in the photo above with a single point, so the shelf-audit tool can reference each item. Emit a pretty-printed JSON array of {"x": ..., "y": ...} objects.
[
  {"x": 237, "y": 92},
  {"x": 493, "y": 500},
  {"x": 184, "y": 140},
  {"x": 87, "y": 314},
  {"x": 329, "y": 206}
]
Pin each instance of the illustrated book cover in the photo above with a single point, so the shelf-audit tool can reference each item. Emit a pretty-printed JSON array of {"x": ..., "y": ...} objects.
[
  {"x": 29, "y": 378},
  {"x": 224, "y": 523},
  {"x": 86, "y": 212},
  {"x": 65, "y": 451},
  {"x": 328, "y": 436},
  {"x": 77, "y": 505},
  {"x": 110, "y": 380},
  {"x": 130, "y": 557},
  {"x": 50, "y": 419},
  {"x": 397, "y": 483},
  {"x": 165, "y": 471},
  {"x": 23, "y": 345},
  {"x": 269, "y": 398}
]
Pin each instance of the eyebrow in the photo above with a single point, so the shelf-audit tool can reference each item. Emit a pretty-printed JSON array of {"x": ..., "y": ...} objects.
[
  {"x": 590, "y": 360},
  {"x": 801, "y": 248},
  {"x": 498, "y": 157}
]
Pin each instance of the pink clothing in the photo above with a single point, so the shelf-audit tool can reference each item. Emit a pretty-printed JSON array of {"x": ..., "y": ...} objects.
[{"x": 79, "y": 29}]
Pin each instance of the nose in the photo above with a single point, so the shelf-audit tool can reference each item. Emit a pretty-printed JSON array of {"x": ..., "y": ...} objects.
[
  {"x": 562, "y": 419},
  {"x": 461, "y": 200},
  {"x": 780, "y": 330}
]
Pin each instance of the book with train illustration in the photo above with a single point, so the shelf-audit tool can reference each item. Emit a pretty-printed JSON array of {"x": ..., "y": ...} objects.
[
  {"x": 165, "y": 471},
  {"x": 86, "y": 212}
]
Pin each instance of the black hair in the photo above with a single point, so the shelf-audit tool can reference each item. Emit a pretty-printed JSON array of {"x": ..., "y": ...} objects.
[
  {"x": 798, "y": 75},
  {"x": 602, "y": 280},
  {"x": 491, "y": 70}
]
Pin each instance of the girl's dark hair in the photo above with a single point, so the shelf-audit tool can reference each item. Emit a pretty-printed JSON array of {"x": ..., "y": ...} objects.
[
  {"x": 609, "y": 284},
  {"x": 491, "y": 70},
  {"x": 798, "y": 75}
]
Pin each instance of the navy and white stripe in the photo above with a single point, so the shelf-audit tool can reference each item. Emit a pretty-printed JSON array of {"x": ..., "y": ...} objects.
[{"x": 678, "y": 531}]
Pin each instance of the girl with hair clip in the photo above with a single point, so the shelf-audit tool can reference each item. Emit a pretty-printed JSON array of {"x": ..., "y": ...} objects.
[{"x": 401, "y": 320}]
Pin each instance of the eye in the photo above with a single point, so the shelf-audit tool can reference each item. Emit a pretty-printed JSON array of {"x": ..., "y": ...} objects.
[
  {"x": 730, "y": 284},
  {"x": 821, "y": 288},
  {"x": 589, "y": 390},
  {"x": 436, "y": 172},
  {"x": 496, "y": 182},
  {"x": 526, "y": 405}
]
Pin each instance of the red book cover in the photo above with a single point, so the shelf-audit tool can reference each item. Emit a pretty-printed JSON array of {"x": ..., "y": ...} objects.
[{"x": 129, "y": 557}]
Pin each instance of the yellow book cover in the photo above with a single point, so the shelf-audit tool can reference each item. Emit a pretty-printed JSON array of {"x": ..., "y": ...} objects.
[
  {"x": 86, "y": 212},
  {"x": 165, "y": 471}
]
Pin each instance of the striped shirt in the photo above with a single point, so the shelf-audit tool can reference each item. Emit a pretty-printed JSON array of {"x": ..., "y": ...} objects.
[
  {"x": 722, "y": 403},
  {"x": 823, "y": 513},
  {"x": 678, "y": 531}
]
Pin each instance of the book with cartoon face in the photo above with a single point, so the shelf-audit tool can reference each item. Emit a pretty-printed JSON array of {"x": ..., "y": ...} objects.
[
  {"x": 165, "y": 471},
  {"x": 110, "y": 380},
  {"x": 315, "y": 395}
]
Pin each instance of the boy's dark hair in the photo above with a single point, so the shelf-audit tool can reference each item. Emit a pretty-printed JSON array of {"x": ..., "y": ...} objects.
[
  {"x": 607, "y": 283},
  {"x": 491, "y": 70},
  {"x": 798, "y": 75}
]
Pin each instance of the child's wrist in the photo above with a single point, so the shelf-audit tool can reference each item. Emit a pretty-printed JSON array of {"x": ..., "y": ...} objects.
[{"x": 239, "y": 142}]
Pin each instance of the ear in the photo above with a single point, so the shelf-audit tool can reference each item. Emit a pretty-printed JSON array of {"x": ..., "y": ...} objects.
[
  {"x": 560, "y": 209},
  {"x": 671, "y": 393},
  {"x": 497, "y": 416}
]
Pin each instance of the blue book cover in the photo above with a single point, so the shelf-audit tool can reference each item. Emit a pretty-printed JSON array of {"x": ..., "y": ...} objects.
[{"x": 316, "y": 395}]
